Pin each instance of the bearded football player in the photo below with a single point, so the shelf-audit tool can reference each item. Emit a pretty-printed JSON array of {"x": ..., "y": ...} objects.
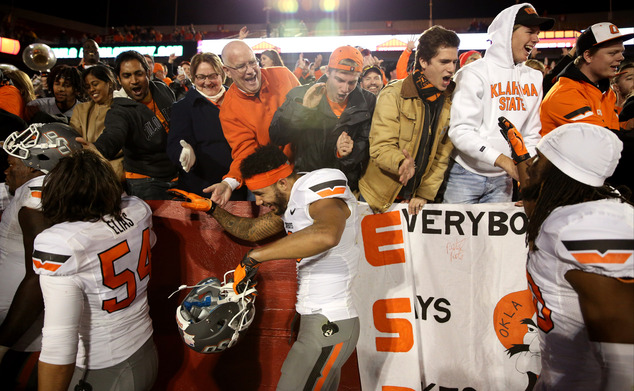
[{"x": 318, "y": 210}]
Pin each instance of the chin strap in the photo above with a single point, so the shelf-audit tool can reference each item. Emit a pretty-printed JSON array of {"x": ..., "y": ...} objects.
[{"x": 180, "y": 288}]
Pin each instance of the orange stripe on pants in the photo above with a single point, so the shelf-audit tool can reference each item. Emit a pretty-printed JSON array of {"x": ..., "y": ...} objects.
[{"x": 331, "y": 361}]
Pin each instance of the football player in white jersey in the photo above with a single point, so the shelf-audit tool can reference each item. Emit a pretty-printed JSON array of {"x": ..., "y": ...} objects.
[
  {"x": 32, "y": 153},
  {"x": 94, "y": 268},
  {"x": 581, "y": 258},
  {"x": 319, "y": 211}
]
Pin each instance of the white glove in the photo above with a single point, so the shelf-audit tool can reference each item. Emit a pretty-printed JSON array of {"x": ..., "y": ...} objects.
[{"x": 188, "y": 157}]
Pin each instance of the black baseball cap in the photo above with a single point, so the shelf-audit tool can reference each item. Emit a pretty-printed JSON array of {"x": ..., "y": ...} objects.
[
  {"x": 371, "y": 68},
  {"x": 527, "y": 16},
  {"x": 598, "y": 34}
]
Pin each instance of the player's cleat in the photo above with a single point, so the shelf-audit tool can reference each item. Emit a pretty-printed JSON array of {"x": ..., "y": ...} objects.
[
  {"x": 515, "y": 140},
  {"x": 194, "y": 201}
]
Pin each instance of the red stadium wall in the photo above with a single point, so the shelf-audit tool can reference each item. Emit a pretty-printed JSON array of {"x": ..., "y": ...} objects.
[{"x": 191, "y": 246}]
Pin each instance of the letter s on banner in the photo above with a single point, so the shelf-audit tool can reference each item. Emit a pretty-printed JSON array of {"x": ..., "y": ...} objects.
[
  {"x": 375, "y": 236},
  {"x": 403, "y": 327}
]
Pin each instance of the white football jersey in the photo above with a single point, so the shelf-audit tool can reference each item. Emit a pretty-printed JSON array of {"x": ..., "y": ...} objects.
[
  {"x": 94, "y": 278},
  {"x": 12, "y": 266},
  {"x": 324, "y": 280},
  {"x": 594, "y": 237}
]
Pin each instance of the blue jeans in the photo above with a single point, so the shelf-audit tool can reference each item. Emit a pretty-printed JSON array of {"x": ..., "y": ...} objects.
[
  {"x": 150, "y": 188},
  {"x": 465, "y": 187}
]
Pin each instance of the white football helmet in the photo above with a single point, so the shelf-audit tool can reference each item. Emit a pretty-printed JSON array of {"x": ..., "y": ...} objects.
[
  {"x": 212, "y": 317},
  {"x": 41, "y": 146}
]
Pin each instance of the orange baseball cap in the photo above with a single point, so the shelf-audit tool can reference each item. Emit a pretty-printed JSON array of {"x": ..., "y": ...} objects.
[{"x": 346, "y": 53}]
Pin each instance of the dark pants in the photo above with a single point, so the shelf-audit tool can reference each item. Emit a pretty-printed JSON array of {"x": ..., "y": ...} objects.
[{"x": 150, "y": 188}]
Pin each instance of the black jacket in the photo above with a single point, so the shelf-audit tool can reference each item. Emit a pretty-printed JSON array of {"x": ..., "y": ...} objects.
[
  {"x": 195, "y": 120},
  {"x": 131, "y": 126},
  {"x": 313, "y": 133}
]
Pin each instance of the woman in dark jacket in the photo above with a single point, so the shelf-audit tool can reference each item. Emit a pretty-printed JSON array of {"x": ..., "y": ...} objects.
[{"x": 195, "y": 141}]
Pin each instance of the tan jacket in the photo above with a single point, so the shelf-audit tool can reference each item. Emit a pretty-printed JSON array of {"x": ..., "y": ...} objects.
[
  {"x": 397, "y": 124},
  {"x": 88, "y": 120}
]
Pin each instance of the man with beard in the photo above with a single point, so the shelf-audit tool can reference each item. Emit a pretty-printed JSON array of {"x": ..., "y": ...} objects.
[
  {"x": 372, "y": 79},
  {"x": 248, "y": 108},
  {"x": 138, "y": 123},
  {"x": 319, "y": 210},
  {"x": 65, "y": 82},
  {"x": 581, "y": 257}
]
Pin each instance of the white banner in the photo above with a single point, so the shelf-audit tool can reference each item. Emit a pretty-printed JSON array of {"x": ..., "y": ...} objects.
[{"x": 443, "y": 301}]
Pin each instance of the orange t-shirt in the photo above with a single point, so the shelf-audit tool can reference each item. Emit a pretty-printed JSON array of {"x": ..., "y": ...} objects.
[
  {"x": 152, "y": 106},
  {"x": 337, "y": 108}
]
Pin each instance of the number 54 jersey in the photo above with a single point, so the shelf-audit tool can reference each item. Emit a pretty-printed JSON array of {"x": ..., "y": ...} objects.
[{"x": 108, "y": 263}]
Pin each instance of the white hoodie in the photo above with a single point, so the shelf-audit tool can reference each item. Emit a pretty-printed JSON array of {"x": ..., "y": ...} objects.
[{"x": 488, "y": 88}]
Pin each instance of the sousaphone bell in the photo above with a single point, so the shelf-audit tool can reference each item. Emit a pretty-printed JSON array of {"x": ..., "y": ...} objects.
[{"x": 39, "y": 57}]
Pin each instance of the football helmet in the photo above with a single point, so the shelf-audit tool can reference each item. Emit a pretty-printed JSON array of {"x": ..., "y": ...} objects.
[
  {"x": 41, "y": 146},
  {"x": 213, "y": 317}
]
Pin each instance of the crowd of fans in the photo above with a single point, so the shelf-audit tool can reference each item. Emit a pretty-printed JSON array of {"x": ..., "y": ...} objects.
[{"x": 422, "y": 131}]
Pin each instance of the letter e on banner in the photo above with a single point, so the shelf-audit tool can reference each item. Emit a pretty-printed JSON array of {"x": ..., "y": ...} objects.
[
  {"x": 383, "y": 246},
  {"x": 403, "y": 327}
]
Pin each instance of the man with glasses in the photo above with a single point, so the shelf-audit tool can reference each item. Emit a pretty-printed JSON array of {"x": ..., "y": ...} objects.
[
  {"x": 327, "y": 122},
  {"x": 248, "y": 108},
  {"x": 195, "y": 141}
]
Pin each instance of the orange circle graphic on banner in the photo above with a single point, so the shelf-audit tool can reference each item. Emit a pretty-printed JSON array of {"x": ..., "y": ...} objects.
[{"x": 508, "y": 317}]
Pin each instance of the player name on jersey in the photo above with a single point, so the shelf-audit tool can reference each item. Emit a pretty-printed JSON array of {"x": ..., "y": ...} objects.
[{"x": 119, "y": 226}]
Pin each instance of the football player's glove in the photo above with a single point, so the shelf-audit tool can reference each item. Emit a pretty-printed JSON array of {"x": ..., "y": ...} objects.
[
  {"x": 515, "y": 140},
  {"x": 244, "y": 275},
  {"x": 194, "y": 201}
]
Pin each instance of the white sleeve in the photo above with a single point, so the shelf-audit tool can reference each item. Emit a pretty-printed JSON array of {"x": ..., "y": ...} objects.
[
  {"x": 533, "y": 125},
  {"x": 599, "y": 244},
  {"x": 467, "y": 116},
  {"x": 63, "y": 305}
]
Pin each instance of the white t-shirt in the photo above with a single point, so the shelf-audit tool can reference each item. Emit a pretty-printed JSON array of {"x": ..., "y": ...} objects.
[
  {"x": 594, "y": 237},
  {"x": 94, "y": 278},
  {"x": 12, "y": 264},
  {"x": 324, "y": 280}
]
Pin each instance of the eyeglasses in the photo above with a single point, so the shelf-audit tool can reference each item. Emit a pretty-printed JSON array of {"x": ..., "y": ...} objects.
[
  {"x": 211, "y": 76},
  {"x": 243, "y": 67}
]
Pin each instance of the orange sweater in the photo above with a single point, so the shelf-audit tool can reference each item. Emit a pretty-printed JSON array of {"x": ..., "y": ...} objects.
[
  {"x": 11, "y": 100},
  {"x": 401, "y": 65},
  {"x": 245, "y": 118},
  {"x": 577, "y": 101}
]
